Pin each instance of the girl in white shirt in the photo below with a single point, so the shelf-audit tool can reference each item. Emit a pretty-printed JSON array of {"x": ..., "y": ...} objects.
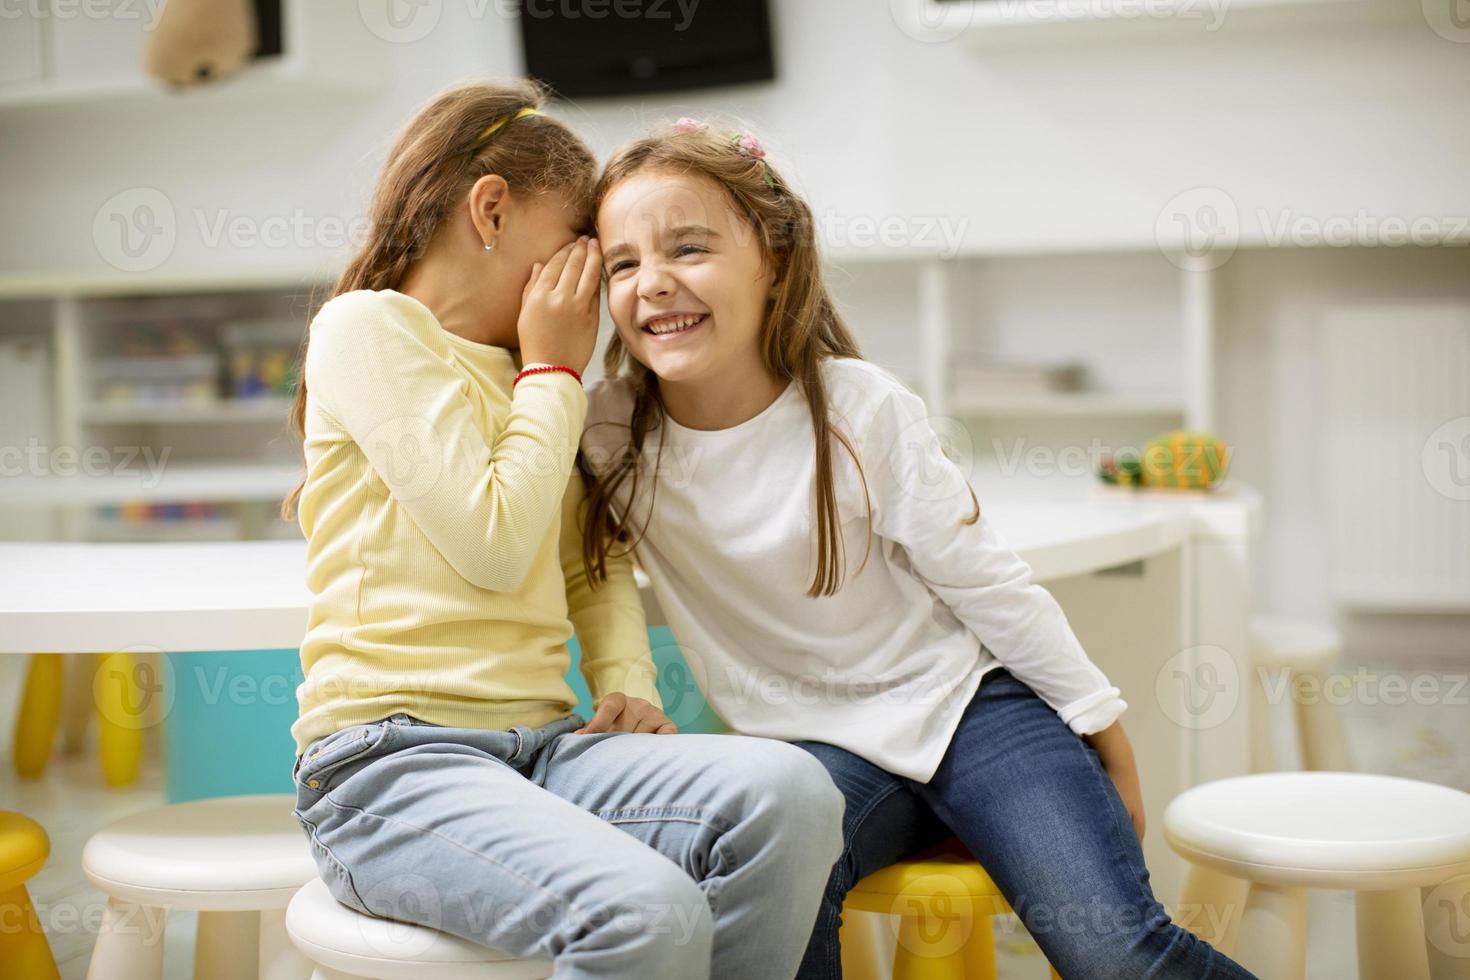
[{"x": 830, "y": 576}]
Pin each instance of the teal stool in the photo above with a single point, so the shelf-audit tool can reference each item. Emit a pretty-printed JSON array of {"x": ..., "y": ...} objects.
[{"x": 228, "y": 729}]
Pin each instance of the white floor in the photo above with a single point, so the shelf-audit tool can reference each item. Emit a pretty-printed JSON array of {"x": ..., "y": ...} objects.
[{"x": 1424, "y": 741}]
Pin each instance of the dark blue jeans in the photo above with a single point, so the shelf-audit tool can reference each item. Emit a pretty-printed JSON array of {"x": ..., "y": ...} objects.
[{"x": 1033, "y": 804}]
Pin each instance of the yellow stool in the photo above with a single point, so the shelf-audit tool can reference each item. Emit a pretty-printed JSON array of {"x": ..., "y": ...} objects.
[
  {"x": 23, "y": 850},
  {"x": 945, "y": 904},
  {"x": 115, "y": 693}
]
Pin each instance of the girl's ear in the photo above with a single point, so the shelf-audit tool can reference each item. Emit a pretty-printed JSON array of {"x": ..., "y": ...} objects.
[{"x": 489, "y": 200}]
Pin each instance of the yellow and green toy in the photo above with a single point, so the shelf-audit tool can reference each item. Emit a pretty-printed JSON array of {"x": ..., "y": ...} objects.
[{"x": 1176, "y": 460}]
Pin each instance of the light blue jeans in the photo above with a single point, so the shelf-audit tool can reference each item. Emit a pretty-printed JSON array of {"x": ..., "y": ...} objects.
[{"x": 637, "y": 857}]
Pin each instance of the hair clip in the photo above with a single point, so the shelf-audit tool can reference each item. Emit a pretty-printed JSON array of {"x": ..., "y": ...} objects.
[
  {"x": 749, "y": 145},
  {"x": 687, "y": 125}
]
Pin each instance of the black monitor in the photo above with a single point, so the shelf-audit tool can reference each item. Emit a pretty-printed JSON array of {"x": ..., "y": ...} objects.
[{"x": 588, "y": 48}]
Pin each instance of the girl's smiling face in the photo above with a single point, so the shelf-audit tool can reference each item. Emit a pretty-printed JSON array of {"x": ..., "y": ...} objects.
[{"x": 688, "y": 285}]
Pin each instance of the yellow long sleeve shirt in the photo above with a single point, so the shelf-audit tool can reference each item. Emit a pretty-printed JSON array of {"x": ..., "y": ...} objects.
[{"x": 444, "y": 549}]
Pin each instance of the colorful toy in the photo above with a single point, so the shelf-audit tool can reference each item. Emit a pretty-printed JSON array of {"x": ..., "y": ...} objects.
[{"x": 1177, "y": 460}]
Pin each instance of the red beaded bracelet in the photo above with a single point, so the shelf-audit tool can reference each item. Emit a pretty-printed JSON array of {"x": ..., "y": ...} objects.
[{"x": 545, "y": 369}]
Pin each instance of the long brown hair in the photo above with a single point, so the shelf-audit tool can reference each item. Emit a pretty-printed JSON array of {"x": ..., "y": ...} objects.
[
  {"x": 801, "y": 328},
  {"x": 434, "y": 162}
]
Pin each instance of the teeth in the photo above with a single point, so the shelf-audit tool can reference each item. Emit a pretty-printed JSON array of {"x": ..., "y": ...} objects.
[{"x": 674, "y": 325}]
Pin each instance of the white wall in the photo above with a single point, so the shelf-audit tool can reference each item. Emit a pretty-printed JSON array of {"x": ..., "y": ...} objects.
[{"x": 1068, "y": 145}]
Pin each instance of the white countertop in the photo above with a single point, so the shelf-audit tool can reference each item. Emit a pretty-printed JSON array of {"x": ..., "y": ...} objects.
[{"x": 251, "y": 595}]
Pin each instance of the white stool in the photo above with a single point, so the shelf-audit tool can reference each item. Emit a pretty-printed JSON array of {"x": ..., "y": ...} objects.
[
  {"x": 1305, "y": 651},
  {"x": 235, "y": 860},
  {"x": 347, "y": 945},
  {"x": 1403, "y": 846}
]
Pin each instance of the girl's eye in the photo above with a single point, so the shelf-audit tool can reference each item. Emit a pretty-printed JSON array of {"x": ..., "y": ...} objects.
[
  {"x": 617, "y": 267},
  {"x": 683, "y": 250}
]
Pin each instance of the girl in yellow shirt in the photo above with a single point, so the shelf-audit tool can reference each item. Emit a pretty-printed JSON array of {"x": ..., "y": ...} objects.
[{"x": 442, "y": 777}]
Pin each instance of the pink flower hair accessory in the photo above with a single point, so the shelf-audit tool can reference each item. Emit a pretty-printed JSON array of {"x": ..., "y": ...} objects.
[
  {"x": 687, "y": 125},
  {"x": 750, "y": 145}
]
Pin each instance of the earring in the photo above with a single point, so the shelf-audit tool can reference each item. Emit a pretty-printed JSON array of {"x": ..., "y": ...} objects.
[{"x": 491, "y": 246}]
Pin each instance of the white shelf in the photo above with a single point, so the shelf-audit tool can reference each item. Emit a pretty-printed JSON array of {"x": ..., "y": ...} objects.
[
  {"x": 227, "y": 410},
  {"x": 220, "y": 482},
  {"x": 328, "y": 50},
  {"x": 1066, "y": 404},
  {"x": 184, "y": 529},
  {"x": 987, "y": 24}
]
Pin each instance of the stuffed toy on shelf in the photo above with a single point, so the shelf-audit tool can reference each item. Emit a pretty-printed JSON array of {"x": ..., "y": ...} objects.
[
  {"x": 1176, "y": 460},
  {"x": 201, "y": 41}
]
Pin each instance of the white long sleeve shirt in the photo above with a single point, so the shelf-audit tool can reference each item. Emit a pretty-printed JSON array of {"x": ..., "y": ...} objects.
[{"x": 886, "y": 667}]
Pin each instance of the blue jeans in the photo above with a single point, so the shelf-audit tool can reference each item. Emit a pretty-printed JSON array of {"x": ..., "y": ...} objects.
[
  {"x": 1032, "y": 803},
  {"x": 637, "y": 857}
]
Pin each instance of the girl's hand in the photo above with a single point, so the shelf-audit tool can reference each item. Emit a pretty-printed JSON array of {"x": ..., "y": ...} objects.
[
  {"x": 558, "y": 321},
  {"x": 620, "y": 713},
  {"x": 1116, "y": 753}
]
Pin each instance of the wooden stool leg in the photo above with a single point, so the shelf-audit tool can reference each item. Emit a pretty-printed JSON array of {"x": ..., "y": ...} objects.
[
  {"x": 1391, "y": 935},
  {"x": 1210, "y": 906},
  {"x": 279, "y": 957},
  {"x": 1447, "y": 929},
  {"x": 979, "y": 948},
  {"x": 23, "y": 947},
  {"x": 121, "y": 715},
  {"x": 227, "y": 945},
  {"x": 40, "y": 710},
  {"x": 1320, "y": 731},
  {"x": 926, "y": 951},
  {"x": 129, "y": 943},
  {"x": 1273, "y": 932}
]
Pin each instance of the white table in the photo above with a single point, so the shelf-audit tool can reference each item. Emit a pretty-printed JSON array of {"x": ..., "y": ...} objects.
[{"x": 1155, "y": 584}]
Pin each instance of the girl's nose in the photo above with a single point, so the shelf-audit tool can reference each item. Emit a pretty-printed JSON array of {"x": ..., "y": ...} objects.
[{"x": 654, "y": 282}]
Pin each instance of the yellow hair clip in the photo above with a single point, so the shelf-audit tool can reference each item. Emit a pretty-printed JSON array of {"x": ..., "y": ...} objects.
[{"x": 521, "y": 114}]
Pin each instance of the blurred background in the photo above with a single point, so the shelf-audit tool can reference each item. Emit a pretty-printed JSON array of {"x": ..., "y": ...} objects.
[{"x": 1069, "y": 224}]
